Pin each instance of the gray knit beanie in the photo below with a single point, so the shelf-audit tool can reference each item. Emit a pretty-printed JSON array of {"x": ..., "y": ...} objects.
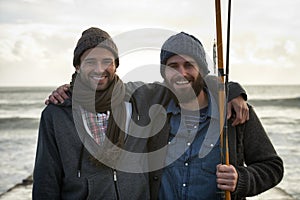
[
  {"x": 91, "y": 38},
  {"x": 185, "y": 44}
]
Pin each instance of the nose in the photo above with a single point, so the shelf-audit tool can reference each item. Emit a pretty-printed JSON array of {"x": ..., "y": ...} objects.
[
  {"x": 181, "y": 69},
  {"x": 99, "y": 68}
]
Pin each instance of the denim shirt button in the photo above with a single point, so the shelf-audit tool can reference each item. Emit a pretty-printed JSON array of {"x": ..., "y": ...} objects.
[
  {"x": 155, "y": 178},
  {"x": 184, "y": 185}
]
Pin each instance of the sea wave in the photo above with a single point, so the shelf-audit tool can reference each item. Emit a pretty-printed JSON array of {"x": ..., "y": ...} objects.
[
  {"x": 281, "y": 102},
  {"x": 18, "y": 123},
  {"x": 22, "y": 105},
  {"x": 26, "y": 90}
]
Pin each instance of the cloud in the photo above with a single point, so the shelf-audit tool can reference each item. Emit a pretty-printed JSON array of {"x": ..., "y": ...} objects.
[
  {"x": 40, "y": 35},
  {"x": 31, "y": 55}
]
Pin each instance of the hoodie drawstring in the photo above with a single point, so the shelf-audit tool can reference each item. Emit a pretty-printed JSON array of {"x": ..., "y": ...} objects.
[{"x": 80, "y": 161}]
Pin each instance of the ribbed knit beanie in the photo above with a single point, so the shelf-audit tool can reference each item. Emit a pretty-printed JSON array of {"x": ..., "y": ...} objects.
[
  {"x": 184, "y": 44},
  {"x": 91, "y": 38}
]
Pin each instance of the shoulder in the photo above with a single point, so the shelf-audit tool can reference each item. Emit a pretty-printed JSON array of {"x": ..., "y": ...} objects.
[
  {"x": 253, "y": 130},
  {"x": 253, "y": 117},
  {"x": 53, "y": 111},
  {"x": 51, "y": 108}
]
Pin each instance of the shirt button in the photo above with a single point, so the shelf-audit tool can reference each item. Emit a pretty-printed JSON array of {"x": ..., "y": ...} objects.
[
  {"x": 184, "y": 185},
  {"x": 188, "y": 143},
  {"x": 195, "y": 126},
  {"x": 155, "y": 178},
  {"x": 186, "y": 164}
]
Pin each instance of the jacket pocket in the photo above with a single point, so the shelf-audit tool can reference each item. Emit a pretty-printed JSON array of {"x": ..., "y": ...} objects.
[{"x": 101, "y": 186}]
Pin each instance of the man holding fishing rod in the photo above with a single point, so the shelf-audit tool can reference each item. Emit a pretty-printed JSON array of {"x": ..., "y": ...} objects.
[{"x": 193, "y": 169}]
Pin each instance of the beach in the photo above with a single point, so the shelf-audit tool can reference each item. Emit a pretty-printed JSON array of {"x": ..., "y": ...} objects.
[{"x": 20, "y": 108}]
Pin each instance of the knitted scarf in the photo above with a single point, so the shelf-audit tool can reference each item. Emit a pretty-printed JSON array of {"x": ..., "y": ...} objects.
[{"x": 102, "y": 101}]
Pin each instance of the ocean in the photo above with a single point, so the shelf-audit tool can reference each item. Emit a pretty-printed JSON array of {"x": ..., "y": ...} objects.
[{"x": 20, "y": 108}]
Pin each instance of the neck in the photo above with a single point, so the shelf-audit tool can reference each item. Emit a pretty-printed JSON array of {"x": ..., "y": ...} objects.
[{"x": 195, "y": 104}]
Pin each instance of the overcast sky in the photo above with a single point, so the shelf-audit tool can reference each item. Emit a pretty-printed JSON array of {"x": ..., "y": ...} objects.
[{"x": 38, "y": 36}]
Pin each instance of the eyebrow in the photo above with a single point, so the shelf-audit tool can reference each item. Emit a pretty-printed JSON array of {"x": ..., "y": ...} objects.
[
  {"x": 89, "y": 59},
  {"x": 108, "y": 59},
  {"x": 187, "y": 61},
  {"x": 93, "y": 59},
  {"x": 191, "y": 61}
]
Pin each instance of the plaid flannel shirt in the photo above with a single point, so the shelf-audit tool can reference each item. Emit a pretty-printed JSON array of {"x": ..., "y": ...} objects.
[{"x": 97, "y": 124}]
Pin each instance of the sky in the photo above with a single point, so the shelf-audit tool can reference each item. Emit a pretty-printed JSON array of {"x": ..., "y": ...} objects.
[{"x": 38, "y": 37}]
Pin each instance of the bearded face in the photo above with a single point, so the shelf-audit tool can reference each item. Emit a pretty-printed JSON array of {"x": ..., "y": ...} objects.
[
  {"x": 183, "y": 77},
  {"x": 97, "y": 68}
]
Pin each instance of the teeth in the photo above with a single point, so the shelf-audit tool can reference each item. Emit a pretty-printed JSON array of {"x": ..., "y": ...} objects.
[
  {"x": 98, "y": 78},
  {"x": 182, "y": 82}
]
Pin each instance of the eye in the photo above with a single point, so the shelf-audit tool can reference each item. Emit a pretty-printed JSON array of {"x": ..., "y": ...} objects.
[
  {"x": 107, "y": 62},
  {"x": 90, "y": 63},
  {"x": 173, "y": 66},
  {"x": 188, "y": 65}
]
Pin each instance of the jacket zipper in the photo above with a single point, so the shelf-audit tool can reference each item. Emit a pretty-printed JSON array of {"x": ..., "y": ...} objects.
[{"x": 115, "y": 183}]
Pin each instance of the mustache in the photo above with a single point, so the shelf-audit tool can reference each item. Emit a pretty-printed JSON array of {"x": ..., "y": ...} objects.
[{"x": 100, "y": 74}]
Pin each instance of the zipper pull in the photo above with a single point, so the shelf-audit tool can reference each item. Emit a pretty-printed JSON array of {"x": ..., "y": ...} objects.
[{"x": 115, "y": 175}]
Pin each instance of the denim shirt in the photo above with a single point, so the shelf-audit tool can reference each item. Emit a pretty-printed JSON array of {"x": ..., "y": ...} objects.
[{"x": 190, "y": 174}]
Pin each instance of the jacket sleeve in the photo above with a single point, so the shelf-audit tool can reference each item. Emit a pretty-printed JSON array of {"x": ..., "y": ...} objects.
[
  {"x": 235, "y": 90},
  {"x": 47, "y": 170},
  {"x": 263, "y": 168}
]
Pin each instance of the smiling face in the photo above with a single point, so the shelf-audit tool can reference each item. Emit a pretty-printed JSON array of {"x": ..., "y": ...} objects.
[
  {"x": 97, "y": 68},
  {"x": 183, "y": 76}
]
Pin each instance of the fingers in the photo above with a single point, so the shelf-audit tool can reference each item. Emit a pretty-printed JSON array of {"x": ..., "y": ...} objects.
[
  {"x": 56, "y": 98},
  {"x": 47, "y": 101},
  {"x": 242, "y": 114},
  {"x": 59, "y": 95},
  {"x": 241, "y": 110},
  {"x": 226, "y": 177},
  {"x": 62, "y": 91}
]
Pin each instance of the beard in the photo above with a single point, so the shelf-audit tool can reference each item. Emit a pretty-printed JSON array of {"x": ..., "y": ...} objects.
[{"x": 187, "y": 94}]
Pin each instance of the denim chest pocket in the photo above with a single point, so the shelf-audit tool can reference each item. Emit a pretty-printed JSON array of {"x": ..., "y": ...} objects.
[{"x": 212, "y": 159}]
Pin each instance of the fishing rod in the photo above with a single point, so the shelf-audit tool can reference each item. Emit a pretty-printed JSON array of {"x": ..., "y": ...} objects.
[{"x": 223, "y": 90}]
